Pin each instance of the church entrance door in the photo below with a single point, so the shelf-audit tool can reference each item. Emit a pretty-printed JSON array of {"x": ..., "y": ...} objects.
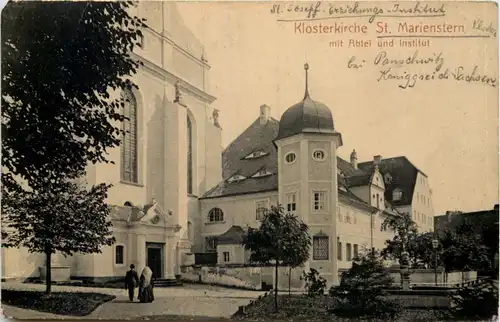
[{"x": 155, "y": 259}]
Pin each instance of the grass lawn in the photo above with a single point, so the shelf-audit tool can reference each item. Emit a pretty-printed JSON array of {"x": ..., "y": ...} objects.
[
  {"x": 302, "y": 308},
  {"x": 64, "y": 303}
]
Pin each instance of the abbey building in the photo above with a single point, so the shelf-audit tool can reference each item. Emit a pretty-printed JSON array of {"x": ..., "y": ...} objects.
[{"x": 178, "y": 197}]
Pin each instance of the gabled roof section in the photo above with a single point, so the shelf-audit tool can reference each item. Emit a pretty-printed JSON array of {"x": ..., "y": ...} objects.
[
  {"x": 232, "y": 236},
  {"x": 243, "y": 187},
  {"x": 403, "y": 175},
  {"x": 257, "y": 137},
  {"x": 347, "y": 169}
]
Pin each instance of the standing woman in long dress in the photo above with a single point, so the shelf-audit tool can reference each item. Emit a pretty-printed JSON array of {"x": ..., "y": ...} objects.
[{"x": 146, "y": 286}]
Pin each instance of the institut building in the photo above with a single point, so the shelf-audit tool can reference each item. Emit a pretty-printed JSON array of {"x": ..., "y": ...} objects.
[{"x": 176, "y": 192}]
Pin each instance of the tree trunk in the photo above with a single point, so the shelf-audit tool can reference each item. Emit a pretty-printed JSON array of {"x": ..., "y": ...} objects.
[
  {"x": 290, "y": 281},
  {"x": 276, "y": 287},
  {"x": 48, "y": 270}
]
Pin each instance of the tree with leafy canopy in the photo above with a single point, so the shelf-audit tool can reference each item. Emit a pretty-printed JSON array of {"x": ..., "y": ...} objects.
[
  {"x": 282, "y": 239},
  {"x": 64, "y": 217},
  {"x": 60, "y": 62},
  {"x": 419, "y": 248},
  {"x": 361, "y": 292},
  {"x": 463, "y": 249},
  {"x": 417, "y": 245}
]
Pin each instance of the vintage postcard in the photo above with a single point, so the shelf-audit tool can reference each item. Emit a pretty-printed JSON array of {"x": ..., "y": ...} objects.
[{"x": 279, "y": 161}]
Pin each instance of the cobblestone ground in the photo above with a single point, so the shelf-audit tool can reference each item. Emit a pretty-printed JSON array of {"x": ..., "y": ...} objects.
[{"x": 190, "y": 300}]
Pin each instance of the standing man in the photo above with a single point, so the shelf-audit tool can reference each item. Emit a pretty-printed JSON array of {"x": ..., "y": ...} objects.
[{"x": 131, "y": 281}]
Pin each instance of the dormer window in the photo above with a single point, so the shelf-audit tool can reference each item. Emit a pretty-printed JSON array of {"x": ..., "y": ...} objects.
[
  {"x": 256, "y": 154},
  {"x": 388, "y": 178},
  {"x": 397, "y": 194},
  {"x": 261, "y": 173},
  {"x": 236, "y": 178}
]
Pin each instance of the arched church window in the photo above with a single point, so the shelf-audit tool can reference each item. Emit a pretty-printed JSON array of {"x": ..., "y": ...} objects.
[
  {"x": 129, "y": 138},
  {"x": 215, "y": 214},
  {"x": 189, "y": 156},
  {"x": 290, "y": 157}
]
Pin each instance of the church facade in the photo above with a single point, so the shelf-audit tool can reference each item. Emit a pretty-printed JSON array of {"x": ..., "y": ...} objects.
[
  {"x": 163, "y": 164},
  {"x": 176, "y": 193}
]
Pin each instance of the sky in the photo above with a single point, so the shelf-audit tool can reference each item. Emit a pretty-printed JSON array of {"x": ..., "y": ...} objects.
[{"x": 447, "y": 129}]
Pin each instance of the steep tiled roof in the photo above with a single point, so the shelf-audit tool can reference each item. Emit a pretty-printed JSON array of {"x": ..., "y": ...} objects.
[
  {"x": 255, "y": 138},
  {"x": 403, "y": 176},
  {"x": 477, "y": 219},
  {"x": 250, "y": 185},
  {"x": 233, "y": 235},
  {"x": 358, "y": 180},
  {"x": 347, "y": 169},
  {"x": 259, "y": 138}
]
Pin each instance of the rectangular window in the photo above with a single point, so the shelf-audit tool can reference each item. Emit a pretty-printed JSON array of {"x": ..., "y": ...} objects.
[
  {"x": 119, "y": 254},
  {"x": 378, "y": 201},
  {"x": 355, "y": 248},
  {"x": 319, "y": 201},
  {"x": 339, "y": 250},
  {"x": 291, "y": 202},
  {"x": 348, "y": 251},
  {"x": 226, "y": 256},
  {"x": 210, "y": 244},
  {"x": 260, "y": 209},
  {"x": 339, "y": 215},
  {"x": 320, "y": 248}
]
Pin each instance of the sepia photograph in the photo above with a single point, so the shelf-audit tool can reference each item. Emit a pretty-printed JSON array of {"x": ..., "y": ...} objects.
[{"x": 249, "y": 160}]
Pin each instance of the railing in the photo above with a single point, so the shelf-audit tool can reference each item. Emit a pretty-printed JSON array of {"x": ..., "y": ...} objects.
[{"x": 450, "y": 284}]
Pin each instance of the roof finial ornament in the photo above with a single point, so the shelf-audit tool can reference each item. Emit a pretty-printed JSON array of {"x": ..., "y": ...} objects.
[{"x": 306, "y": 68}]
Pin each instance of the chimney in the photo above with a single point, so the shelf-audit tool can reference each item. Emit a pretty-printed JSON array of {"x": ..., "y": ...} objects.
[
  {"x": 376, "y": 160},
  {"x": 354, "y": 159},
  {"x": 265, "y": 114}
]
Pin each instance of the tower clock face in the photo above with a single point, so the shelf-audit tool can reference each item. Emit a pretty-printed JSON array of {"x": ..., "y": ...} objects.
[{"x": 156, "y": 219}]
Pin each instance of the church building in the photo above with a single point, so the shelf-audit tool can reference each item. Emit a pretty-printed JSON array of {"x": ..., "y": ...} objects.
[
  {"x": 177, "y": 195},
  {"x": 294, "y": 162}
]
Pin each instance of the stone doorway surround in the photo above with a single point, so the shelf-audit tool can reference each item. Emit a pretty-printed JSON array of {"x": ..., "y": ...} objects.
[{"x": 146, "y": 228}]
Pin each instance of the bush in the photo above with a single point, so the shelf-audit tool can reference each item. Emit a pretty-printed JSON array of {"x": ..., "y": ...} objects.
[
  {"x": 315, "y": 284},
  {"x": 361, "y": 291},
  {"x": 476, "y": 302},
  {"x": 63, "y": 303}
]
